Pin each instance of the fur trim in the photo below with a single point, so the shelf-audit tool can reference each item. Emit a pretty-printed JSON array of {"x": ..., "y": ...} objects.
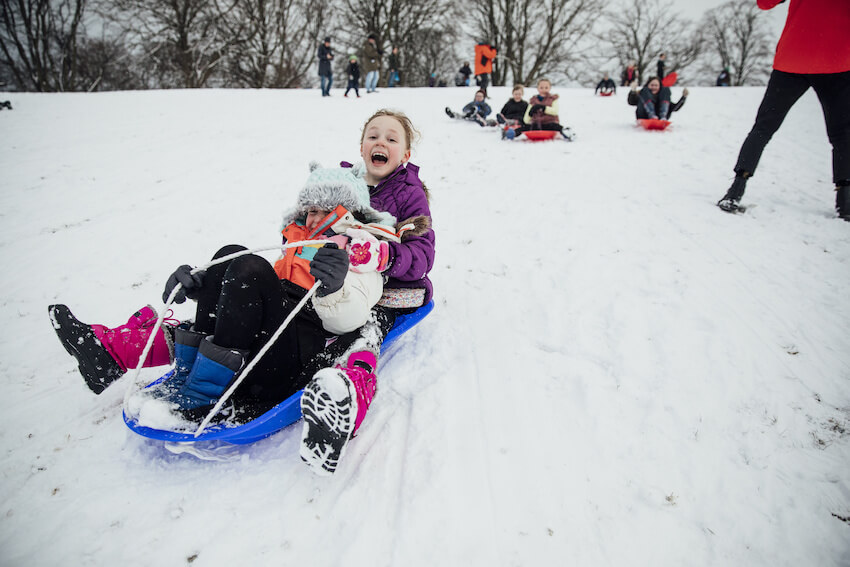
[{"x": 414, "y": 226}]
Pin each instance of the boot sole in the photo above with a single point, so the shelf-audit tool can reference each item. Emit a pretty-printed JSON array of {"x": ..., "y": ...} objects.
[
  {"x": 97, "y": 373},
  {"x": 329, "y": 407}
]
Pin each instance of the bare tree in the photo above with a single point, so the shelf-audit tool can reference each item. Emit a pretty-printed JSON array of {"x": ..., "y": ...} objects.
[
  {"x": 534, "y": 37},
  {"x": 38, "y": 43},
  {"x": 277, "y": 41},
  {"x": 184, "y": 41},
  {"x": 740, "y": 39},
  {"x": 643, "y": 29},
  {"x": 406, "y": 24}
]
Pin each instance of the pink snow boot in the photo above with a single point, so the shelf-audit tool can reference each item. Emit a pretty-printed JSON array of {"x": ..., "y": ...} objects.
[
  {"x": 105, "y": 354},
  {"x": 334, "y": 405}
]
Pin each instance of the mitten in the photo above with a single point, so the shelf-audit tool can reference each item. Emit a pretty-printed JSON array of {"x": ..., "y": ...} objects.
[
  {"x": 365, "y": 252},
  {"x": 537, "y": 108},
  {"x": 191, "y": 283},
  {"x": 330, "y": 265}
]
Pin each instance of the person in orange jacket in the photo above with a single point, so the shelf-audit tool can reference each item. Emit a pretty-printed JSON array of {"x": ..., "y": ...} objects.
[
  {"x": 484, "y": 55},
  {"x": 813, "y": 51}
]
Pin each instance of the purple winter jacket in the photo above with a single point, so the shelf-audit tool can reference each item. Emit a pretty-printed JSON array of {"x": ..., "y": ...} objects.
[{"x": 402, "y": 195}]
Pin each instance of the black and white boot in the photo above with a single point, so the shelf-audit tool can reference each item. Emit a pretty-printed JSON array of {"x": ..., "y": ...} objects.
[
  {"x": 329, "y": 406},
  {"x": 842, "y": 201},
  {"x": 731, "y": 201}
]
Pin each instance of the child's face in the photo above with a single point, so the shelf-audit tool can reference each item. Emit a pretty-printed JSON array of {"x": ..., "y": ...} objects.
[
  {"x": 518, "y": 95},
  {"x": 384, "y": 148},
  {"x": 479, "y": 97},
  {"x": 314, "y": 217},
  {"x": 543, "y": 87}
]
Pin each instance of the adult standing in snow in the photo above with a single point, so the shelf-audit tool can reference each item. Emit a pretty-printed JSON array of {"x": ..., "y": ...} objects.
[
  {"x": 661, "y": 61},
  {"x": 326, "y": 55},
  {"x": 484, "y": 55},
  {"x": 371, "y": 62},
  {"x": 813, "y": 51},
  {"x": 394, "y": 68}
]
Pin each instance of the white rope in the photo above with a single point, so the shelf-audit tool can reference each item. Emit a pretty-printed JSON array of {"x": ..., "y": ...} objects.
[
  {"x": 134, "y": 385},
  {"x": 257, "y": 358}
]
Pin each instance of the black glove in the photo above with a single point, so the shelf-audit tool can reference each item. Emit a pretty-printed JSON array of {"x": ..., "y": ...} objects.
[
  {"x": 537, "y": 108},
  {"x": 191, "y": 284},
  {"x": 330, "y": 264}
]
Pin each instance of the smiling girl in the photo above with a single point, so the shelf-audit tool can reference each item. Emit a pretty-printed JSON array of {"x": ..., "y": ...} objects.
[{"x": 335, "y": 402}]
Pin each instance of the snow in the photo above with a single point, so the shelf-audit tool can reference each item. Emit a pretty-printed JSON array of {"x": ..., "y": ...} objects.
[{"x": 616, "y": 372}]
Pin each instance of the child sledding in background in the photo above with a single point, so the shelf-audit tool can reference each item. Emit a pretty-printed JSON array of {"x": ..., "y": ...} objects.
[
  {"x": 353, "y": 76},
  {"x": 513, "y": 112},
  {"x": 606, "y": 86},
  {"x": 477, "y": 110},
  {"x": 242, "y": 302},
  {"x": 542, "y": 113},
  {"x": 653, "y": 100}
]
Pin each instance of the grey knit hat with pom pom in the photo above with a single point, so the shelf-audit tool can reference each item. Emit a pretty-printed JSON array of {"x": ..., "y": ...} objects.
[{"x": 327, "y": 187}]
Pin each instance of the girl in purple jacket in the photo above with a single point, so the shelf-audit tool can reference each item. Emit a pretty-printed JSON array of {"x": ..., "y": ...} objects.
[{"x": 336, "y": 399}]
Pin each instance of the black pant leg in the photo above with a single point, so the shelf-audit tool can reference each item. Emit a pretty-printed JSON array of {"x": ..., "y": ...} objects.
[
  {"x": 833, "y": 91},
  {"x": 208, "y": 295},
  {"x": 783, "y": 90}
]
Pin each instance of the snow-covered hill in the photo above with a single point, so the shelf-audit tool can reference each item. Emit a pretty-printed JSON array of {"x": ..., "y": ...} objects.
[{"x": 616, "y": 373}]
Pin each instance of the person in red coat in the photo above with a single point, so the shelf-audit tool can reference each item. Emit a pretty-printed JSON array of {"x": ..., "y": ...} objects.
[
  {"x": 813, "y": 51},
  {"x": 484, "y": 55}
]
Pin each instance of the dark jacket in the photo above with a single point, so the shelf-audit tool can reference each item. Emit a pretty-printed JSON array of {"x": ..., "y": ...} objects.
[
  {"x": 393, "y": 62},
  {"x": 465, "y": 71},
  {"x": 607, "y": 85},
  {"x": 723, "y": 79},
  {"x": 371, "y": 57},
  {"x": 514, "y": 110},
  {"x": 476, "y": 107},
  {"x": 660, "y": 69},
  {"x": 354, "y": 72},
  {"x": 654, "y": 106},
  {"x": 324, "y": 61}
]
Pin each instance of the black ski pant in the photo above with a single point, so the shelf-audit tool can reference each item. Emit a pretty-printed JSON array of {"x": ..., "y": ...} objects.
[
  {"x": 783, "y": 90},
  {"x": 243, "y": 302}
]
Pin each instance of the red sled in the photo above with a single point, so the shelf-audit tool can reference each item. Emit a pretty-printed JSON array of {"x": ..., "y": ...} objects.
[
  {"x": 669, "y": 80},
  {"x": 652, "y": 123},
  {"x": 604, "y": 93},
  {"x": 540, "y": 135}
]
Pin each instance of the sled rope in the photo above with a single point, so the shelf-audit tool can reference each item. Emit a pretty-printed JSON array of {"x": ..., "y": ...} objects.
[
  {"x": 257, "y": 358},
  {"x": 135, "y": 375}
]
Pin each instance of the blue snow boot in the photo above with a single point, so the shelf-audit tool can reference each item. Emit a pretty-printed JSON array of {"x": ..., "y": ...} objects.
[
  {"x": 211, "y": 373},
  {"x": 186, "y": 344}
]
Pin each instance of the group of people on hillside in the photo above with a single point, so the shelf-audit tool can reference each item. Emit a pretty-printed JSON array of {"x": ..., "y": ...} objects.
[
  {"x": 518, "y": 116},
  {"x": 369, "y": 63}
]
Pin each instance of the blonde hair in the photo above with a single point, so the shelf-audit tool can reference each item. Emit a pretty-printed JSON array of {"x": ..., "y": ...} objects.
[
  {"x": 543, "y": 80},
  {"x": 517, "y": 87},
  {"x": 410, "y": 133}
]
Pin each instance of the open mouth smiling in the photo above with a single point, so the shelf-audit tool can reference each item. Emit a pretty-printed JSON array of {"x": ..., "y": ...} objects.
[{"x": 380, "y": 158}]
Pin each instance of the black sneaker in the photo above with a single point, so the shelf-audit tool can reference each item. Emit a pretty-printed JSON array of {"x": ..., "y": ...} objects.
[
  {"x": 95, "y": 364},
  {"x": 449, "y": 112},
  {"x": 500, "y": 119},
  {"x": 329, "y": 406},
  {"x": 730, "y": 202},
  {"x": 842, "y": 202}
]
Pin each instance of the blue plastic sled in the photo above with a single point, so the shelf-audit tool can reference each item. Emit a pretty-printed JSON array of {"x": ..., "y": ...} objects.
[{"x": 285, "y": 413}]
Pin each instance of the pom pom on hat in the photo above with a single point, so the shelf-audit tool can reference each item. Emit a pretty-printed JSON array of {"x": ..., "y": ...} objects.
[{"x": 327, "y": 187}]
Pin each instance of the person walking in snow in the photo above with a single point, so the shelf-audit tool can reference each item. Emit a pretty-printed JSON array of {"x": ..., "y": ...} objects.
[
  {"x": 371, "y": 58},
  {"x": 353, "y": 76},
  {"x": 813, "y": 52},
  {"x": 653, "y": 101},
  {"x": 394, "y": 70},
  {"x": 325, "y": 56}
]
